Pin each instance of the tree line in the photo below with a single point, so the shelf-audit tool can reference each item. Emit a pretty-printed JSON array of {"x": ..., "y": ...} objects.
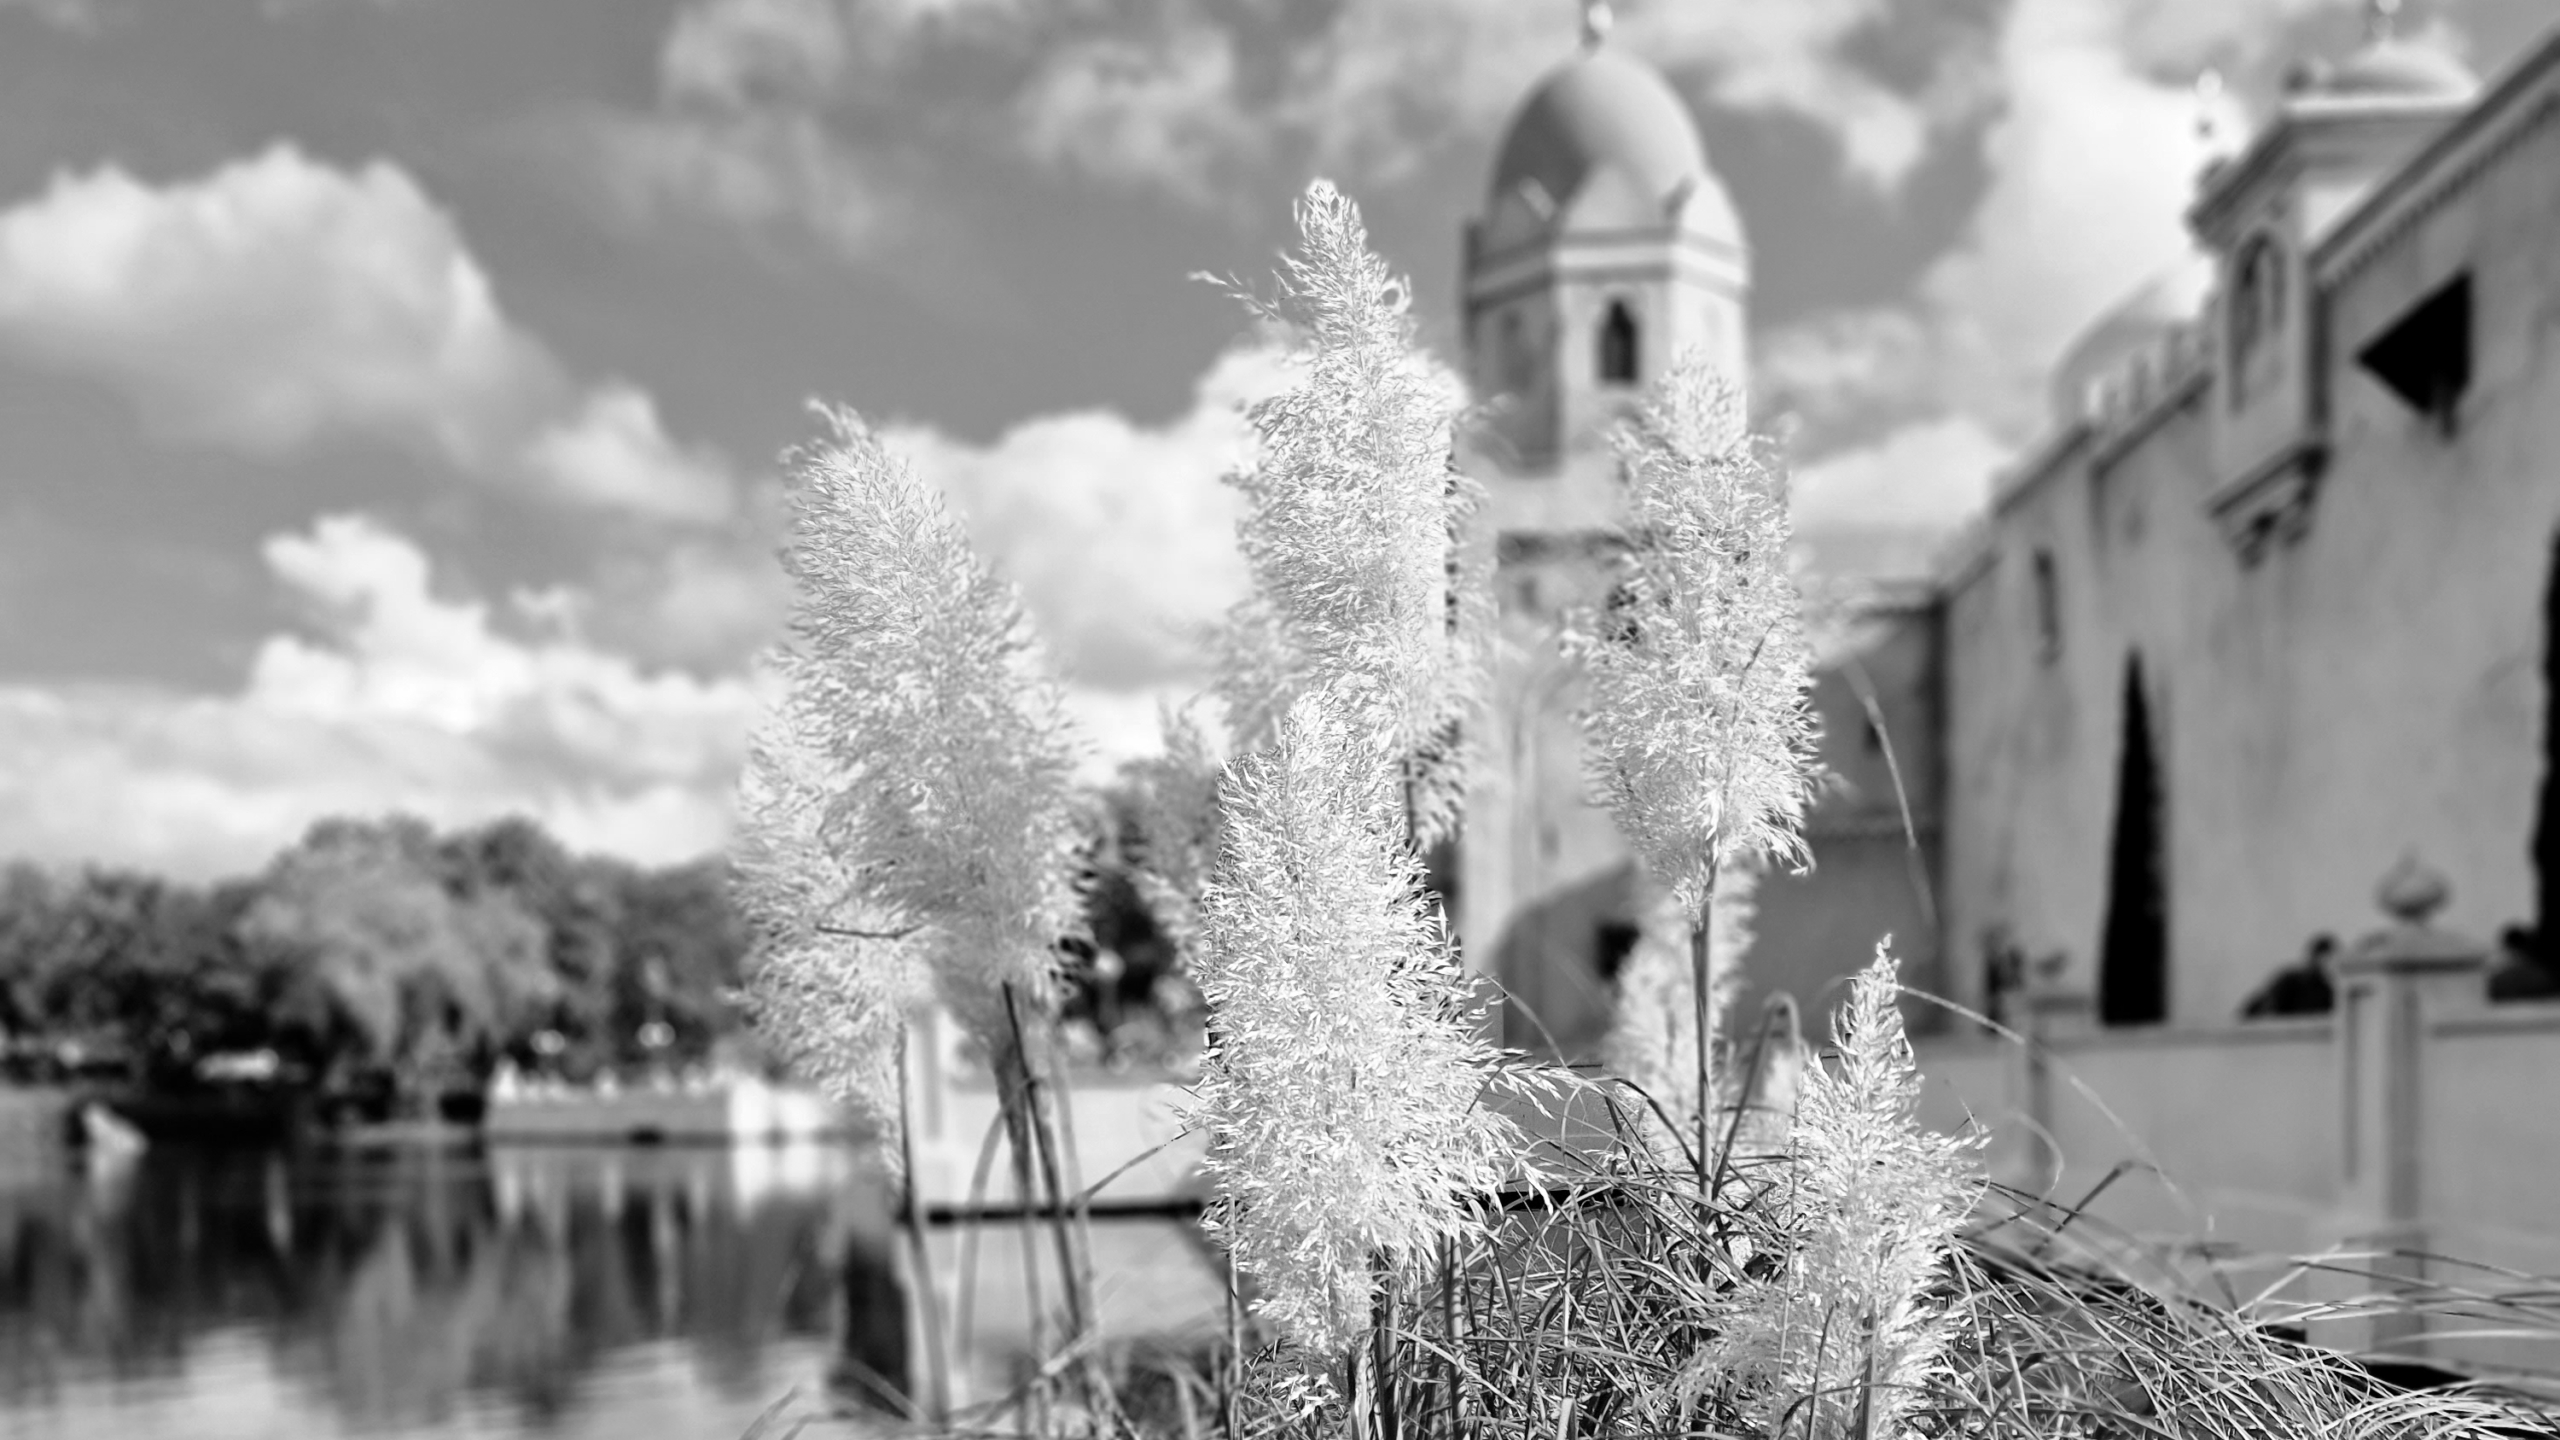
[
  {"x": 373, "y": 954},
  {"x": 378, "y": 954}
]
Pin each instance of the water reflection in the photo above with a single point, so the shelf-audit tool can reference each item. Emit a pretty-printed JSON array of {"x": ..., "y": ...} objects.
[{"x": 430, "y": 1292}]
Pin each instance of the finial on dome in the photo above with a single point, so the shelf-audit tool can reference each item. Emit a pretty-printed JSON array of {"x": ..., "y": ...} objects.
[
  {"x": 2381, "y": 18},
  {"x": 1596, "y": 20}
]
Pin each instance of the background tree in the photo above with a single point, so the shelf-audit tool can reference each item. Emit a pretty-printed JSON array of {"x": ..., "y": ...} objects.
[
  {"x": 374, "y": 944},
  {"x": 428, "y": 981},
  {"x": 680, "y": 948},
  {"x": 578, "y": 904}
]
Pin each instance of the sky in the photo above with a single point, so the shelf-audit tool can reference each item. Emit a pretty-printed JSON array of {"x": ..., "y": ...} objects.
[{"x": 395, "y": 391}]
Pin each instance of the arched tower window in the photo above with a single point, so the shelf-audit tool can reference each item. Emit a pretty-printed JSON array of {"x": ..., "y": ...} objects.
[
  {"x": 2257, "y": 312},
  {"x": 1514, "y": 366},
  {"x": 2048, "y": 607},
  {"x": 1618, "y": 346}
]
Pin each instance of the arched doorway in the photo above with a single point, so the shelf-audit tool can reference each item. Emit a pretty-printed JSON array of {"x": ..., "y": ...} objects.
[
  {"x": 2546, "y": 818},
  {"x": 2133, "y": 950}
]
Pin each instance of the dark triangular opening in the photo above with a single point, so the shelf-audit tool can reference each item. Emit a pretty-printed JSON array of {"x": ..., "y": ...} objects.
[
  {"x": 2426, "y": 356},
  {"x": 2133, "y": 954}
]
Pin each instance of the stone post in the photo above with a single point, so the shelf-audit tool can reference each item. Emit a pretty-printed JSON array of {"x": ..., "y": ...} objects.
[
  {"x": 2047, "y": 1012},
  {"x": 2391, "y": 986}
]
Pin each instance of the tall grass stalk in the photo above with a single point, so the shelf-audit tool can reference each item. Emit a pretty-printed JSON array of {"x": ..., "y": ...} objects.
[
  {"x": 1353, "y": 521},
  {"x": 1342, "y": 1089},
  {"x": 908, "y": 829},
  {"x": 1653, "y": 1041},
  {"x": 1700, "y": 736},
  {"x": 1342, "y": 1093},
  {"x": 1846, "y": 1330}
]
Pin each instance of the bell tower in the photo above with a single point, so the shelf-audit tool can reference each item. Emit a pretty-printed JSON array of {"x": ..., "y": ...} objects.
[{"x": 1607, "y": 249}]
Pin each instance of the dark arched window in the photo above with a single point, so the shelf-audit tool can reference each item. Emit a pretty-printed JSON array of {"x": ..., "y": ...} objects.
[
  {"x": 2546, "y": 821},
  {"x": 2048, "y": 607},
  {"x": 1618, "y": 346},
  {"x": 2257, "y": 313},
  {"x": 2133, "y": 946}
]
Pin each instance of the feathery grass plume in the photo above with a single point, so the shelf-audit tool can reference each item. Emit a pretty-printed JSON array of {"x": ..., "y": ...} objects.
[
  {"x": 1353, "y": 520},
  {"x": 917, "y": 680},
  {"x": 1849, "y": 1328},
  {"x": 1653, "y": 1032},
  {"x": 1342, "y": 1094},
  {"x": 1700, "y": 734},
  {"x": 830, "y": 985}
]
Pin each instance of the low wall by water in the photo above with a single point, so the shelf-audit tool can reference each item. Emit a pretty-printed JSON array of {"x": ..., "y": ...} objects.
[
  {"x": 2222, "y": 1136},
  {"x": 2419, "y": 1118}
]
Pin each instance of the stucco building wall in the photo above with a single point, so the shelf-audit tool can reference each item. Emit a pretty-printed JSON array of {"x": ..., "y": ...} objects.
[
  {"x": 1869, "y": 880},
  {"x": 2371, "y": 686}
]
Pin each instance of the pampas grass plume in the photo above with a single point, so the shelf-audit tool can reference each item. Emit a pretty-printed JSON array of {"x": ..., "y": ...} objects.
[
  {"x": 1353, "y": 521},
  {"x": 1700, "y": 734},
  {"x": 916, "y": 784},
  {"x": 1342, "y": 1093}
]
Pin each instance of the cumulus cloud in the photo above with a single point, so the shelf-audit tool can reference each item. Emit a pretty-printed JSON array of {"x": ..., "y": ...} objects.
[
  {"x": 1915, "y": 478},
  {"x": 1121, "y": 536},
  {"x": 752, "y": 167},
  {"x": 2092, "y": 163},
  {"x": 1382, "y": 87},
  {"x": 740, "y": 132},
  {"x": 1160, "y": 115},
  {"x": 704, "y": 601},
  {"x": 279, "y": 301},
  {"x": 78, "y": 16},
  {"x": 398, "y": 699},
  {"x": 745, "y": 52},
  {"x": 1843, "y": 372},
  {"x": 774, "y": 112},
  {"x": 613, "y": 452}
]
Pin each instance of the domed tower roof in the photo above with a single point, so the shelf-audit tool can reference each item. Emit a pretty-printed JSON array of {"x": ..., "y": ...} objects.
[
  {"x": 1606, "y": 114},
  {"x": 1601, "y": 108}
]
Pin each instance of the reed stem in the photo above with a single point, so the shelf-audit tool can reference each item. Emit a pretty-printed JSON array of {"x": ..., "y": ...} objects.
[{"x": 928, "y": 1288}]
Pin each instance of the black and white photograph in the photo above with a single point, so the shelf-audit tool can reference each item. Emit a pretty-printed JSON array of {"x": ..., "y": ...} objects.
[{"x": 1279, "y": 719}]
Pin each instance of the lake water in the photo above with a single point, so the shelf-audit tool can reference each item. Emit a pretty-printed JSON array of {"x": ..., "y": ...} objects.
[{"x": 587, "y": 1294}]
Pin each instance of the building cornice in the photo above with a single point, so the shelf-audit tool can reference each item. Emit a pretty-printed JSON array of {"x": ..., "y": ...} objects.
[
  {"x": 1674, "y": 236},
  {"x": 1531, "y": 270},
  {"x": 2050, "y": 457},
  {"x": 1531, "y": 282},
  {"x": 2520, "y": 102},
  {"x": 2306, "y": 127},
  {"x": 2182, "y": 390}
]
